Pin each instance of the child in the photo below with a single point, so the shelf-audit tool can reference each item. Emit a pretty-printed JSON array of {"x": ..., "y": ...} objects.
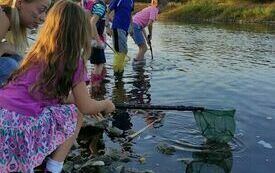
[
  {"x": 122, "y": 18},
  {"x": 16, "y": 16},
  {"x": 98, "y": 56},
  {"x": 38, "y": 115},
  {"x": 141, "y": 20}
]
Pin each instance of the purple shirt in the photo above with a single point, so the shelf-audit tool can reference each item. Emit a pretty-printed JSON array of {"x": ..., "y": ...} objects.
[
  {"x": 15, "y": 96},
  {"x": 143, "y": 17}
]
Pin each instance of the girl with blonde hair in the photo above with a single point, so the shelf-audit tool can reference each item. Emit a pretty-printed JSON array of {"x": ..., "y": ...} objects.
[
  {"x": 42, "y": 103},
  {"x": 16, "y": 16}
]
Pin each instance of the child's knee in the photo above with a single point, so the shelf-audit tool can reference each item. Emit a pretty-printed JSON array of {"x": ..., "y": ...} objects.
[{"x": 144, "y": 48}]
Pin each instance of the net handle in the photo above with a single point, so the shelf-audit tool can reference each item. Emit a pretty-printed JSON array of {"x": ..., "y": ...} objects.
[{"x": 158, "y": 107}]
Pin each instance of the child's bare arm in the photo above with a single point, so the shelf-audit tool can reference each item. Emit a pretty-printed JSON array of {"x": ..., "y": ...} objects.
[
  {"x": 150, "y": 28},
  {"x": 93, "y": 22},
  {"x": 86, "y": 105}
]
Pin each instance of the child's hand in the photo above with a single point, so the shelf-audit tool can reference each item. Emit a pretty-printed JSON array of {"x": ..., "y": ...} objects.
[
  {"x": 101, "y": 45},
  {"x": 108, "y": 106},
  {"x": 109, "y": 32}
]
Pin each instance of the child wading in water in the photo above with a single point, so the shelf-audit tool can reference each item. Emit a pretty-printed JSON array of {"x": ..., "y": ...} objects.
[
  {"x": 121, "y": 22},
  {"x": 141, "y": 20},
  {"x": 38, "y": 115},
  {"x": 97, "y": 58}
]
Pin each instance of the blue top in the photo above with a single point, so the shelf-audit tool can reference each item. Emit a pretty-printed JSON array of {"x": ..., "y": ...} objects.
[{"x": 122, "y": 17}]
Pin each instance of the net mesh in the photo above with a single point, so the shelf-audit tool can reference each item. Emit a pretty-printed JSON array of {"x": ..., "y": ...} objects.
[{"x": 216, "y": 125}]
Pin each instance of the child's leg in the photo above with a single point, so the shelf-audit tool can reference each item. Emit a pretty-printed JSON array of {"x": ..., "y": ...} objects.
[
  {"x": 142, "y": 49},
  {"x": 140, "y": 41},
  {"x": 120, "y": 46},
  {"x": 62, "y": 151},
  {"x": 98, "y": 68},
  {"x": 119, "y": 63},
  {"x": 98, "y": 60}
]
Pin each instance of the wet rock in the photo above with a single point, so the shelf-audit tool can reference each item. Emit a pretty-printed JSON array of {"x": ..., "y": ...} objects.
[
  {"x": 98, "y": 163},
  {"x": 68, "y": 166},
  {"x": 148, "y": 171},
  {"x": 120, "y": 169},
  {"x": 115, "y": 132},
  {"x": 114, "y": 154},
  {"x": 166, "y": 149}
]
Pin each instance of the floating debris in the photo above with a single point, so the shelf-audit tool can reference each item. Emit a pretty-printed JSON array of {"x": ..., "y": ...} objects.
[
  {"x": 142, "y": 160},
  {"x": 148, "y": 137},
  {"x": 265, "y": 144}
]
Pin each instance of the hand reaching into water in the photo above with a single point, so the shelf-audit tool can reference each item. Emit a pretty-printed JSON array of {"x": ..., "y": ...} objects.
[{"x": 108, "y": 106}]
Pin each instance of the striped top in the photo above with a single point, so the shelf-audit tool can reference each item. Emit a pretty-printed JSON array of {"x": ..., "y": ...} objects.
[{"x": 99, "y": 9}]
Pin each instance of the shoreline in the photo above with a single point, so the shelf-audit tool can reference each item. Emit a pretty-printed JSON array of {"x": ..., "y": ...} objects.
[{"x": 219, "y": 11}]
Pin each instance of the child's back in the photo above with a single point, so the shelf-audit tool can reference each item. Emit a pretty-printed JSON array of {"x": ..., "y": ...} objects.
[
  {"x": 143, "y": 17},
  {"x": 122, "y": 17}
]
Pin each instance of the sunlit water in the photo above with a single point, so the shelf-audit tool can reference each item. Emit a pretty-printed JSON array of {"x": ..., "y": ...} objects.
[{"x": 202, "y": 65}]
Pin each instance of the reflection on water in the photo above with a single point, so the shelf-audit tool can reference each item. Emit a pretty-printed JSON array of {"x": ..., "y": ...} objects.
[
  {"x": 213, "y": 66},
  {"x": 218, "y": 160}
]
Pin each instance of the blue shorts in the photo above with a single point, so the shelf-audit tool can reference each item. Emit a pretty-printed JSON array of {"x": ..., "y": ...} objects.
[
  {"x": 8, "y": 64},
  {"x": 97, "y": 56},
  {"x": 138, "y": 34}
]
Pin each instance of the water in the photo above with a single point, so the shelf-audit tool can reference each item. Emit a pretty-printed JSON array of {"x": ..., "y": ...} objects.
[{"x": 203, "y": 65}]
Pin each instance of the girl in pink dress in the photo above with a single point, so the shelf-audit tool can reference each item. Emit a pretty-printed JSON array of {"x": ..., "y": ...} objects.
[{"x": 42, "y": 104}]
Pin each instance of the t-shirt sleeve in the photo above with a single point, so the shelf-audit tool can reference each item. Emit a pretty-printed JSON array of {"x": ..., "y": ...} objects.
[
  {"x": 113, "y": 4},
  {"x": 99, "y": 10},
  {"x": 80, "y": 74},
  {"x": 153, "y": 14}
]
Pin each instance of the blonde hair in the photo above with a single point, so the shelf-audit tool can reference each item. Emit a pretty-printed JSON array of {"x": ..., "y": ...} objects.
[
  {"x": 63, "y": 39},
  {"x": 156, "y": 3},
  {"x": 18, "y": 33}
]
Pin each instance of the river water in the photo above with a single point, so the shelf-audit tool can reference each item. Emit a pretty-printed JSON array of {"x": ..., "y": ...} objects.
[{"x": 214, "y": 66}]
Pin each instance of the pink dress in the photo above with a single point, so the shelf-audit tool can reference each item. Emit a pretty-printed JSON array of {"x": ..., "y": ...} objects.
[{"x": 31, "y": 129}]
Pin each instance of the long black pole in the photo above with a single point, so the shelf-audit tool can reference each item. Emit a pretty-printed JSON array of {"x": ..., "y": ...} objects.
[
  {"x": 157, "y": 107},
  {"x": 150, "y": 45}
]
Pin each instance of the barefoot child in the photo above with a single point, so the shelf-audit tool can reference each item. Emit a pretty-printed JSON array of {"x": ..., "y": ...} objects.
[
  {"x": 38, "y": 115},
  {"x": 141, "y": 20}
]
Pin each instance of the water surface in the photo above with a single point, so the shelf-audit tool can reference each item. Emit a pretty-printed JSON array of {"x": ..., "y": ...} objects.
[{"x": 213, "y": 66}]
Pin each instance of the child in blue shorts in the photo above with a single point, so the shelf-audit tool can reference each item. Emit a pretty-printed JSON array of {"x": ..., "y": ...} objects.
[{"x": 141, "y": 20}]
